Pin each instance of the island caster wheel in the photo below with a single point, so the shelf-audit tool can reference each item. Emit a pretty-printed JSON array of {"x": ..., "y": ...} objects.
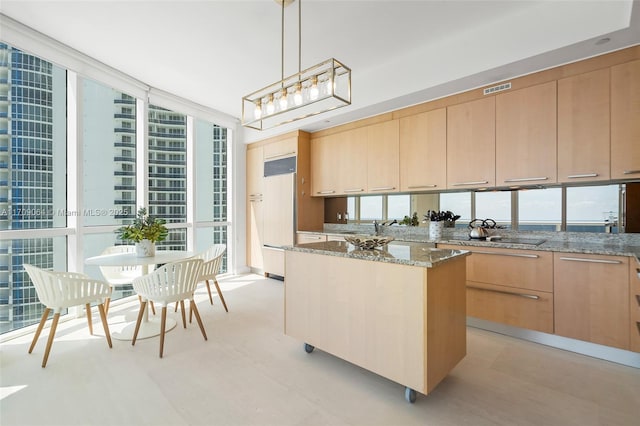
[
  {"x": 308, "y": 348},
  {"x": 410, "y": 395}
]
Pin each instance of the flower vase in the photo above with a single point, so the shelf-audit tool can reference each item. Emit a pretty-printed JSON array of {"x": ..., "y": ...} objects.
[
  {"x": 435, "y": 230},
  {"x": 145, "y": 248}
]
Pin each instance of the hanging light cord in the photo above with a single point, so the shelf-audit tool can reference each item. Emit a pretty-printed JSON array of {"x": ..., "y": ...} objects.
[
  {"x": 299, "y": 36},
  {"x": 282, "y": 20}
]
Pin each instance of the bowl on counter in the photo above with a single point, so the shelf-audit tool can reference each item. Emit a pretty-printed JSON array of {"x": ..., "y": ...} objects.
[{"x": 368, "y": 242}]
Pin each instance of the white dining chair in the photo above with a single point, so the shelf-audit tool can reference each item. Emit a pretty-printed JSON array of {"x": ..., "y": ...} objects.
[
  {"x": 173, "y": 282},
  {"x": 119, "y": 276},
  {"x": 212, "y": 258},
  {"x": 61, "y": 290}
]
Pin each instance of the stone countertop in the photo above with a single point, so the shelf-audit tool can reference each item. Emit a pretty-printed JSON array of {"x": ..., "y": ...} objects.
[
  {"x": 405, "y": 253},
  {"x": 561, "y": 242},
  {"x": 609, "y": 248}
]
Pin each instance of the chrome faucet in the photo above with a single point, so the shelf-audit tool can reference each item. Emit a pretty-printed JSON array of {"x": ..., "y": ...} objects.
[{"x": 378, "y": 226}]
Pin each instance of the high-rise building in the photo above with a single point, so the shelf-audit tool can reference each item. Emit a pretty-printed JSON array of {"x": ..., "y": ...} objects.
[{"x": 32, "y": 141}]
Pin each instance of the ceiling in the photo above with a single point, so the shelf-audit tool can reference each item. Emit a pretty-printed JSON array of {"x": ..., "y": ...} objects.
[{"x": 400, "y": 52}]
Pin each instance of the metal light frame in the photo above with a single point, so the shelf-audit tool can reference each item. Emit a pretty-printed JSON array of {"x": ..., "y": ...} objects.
[{"x": 320, "y": 88}]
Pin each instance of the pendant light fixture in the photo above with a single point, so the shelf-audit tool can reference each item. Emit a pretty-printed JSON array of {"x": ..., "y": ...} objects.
[{"x": 320, "y": 88}]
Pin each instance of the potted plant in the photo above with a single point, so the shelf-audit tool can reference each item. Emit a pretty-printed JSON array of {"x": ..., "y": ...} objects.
[{"x": 145, "y": 231}]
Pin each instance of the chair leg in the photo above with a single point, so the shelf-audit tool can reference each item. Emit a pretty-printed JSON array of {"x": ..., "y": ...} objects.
[
  {"x": 107, "y": 301},
  {"x": 103, "y": 316},
  {"x": 209, "y": 290},
  {"x": 143, "y": 305},
  {"x": 54, "y": 325},
  {"x": 195, "y": 311},
  {"x": 88, "y": 306},
  {"x": 220, "y": 294},
  {"x": 163, "y": 325},
  {"x": 184, "y": 320},
  {"x": 45, "y": 314},
  {"x": 153, "y": 308}
]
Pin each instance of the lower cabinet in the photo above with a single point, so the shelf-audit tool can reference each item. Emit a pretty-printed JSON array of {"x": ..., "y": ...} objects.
[
  {"x": 508, "y": 286},
  {"x": 592, "y": 298},
  {"x": 634, "y": 305}
]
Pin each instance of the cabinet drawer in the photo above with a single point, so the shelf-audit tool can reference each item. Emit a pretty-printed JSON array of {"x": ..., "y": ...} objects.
[
  {"x": 512, "y": 306},
  {"x": 525, "y": 269},
  {"x": 310, "y": 238},
  {"x": 634, "y": 306}
]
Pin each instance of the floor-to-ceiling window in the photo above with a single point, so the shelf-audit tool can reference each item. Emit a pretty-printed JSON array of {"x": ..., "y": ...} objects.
[
  {"x": 32, "y": 178},
  {"x": 63, "y": 190}
]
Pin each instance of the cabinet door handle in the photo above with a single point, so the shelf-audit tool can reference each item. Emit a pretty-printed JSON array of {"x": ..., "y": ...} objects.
[
  {"x": 525, "y": 179},
  {"x": 354, "y": 190},
  {"x": 525, "y": 295},
  {"x": 584, "y": 175},
  {"x": 631, "y": 172},
  {"x": 326, "y": 192},
  {"x": 528, "y": 256},
  {"x": 421, "y": 186},
  {"x": 384, "y": 188},
  {"x": 285, "y": 154},
  {"x": 581, "y": 259},
  {"x": 477, "y": 182}
]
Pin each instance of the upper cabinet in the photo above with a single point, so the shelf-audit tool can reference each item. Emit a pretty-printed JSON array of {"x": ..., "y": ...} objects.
[
  {"x": 281, "y": 149},
  {"x": 526, "y": 136},
  {"x": 471, "y": 144},
  {"x": 383, "y": 157},
  {"x": 625, "y": 120},
  {"x": 255, "y": 172},
  {"x": 583, "y": 127},
  {"x": 423, "y": 151},
  {"x": 324, "y": 158},
  {"x": 351, "y": 159}
]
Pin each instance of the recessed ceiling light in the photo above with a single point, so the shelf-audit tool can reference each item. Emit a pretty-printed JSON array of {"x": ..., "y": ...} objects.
[{"x": 603, "y": 40}]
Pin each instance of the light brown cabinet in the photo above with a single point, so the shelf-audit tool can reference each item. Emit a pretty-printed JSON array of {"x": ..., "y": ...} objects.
[
  {"x": 507, "y": 286},
  {"x": 592, "y": 298},
  {"x": 625, "y": 120},
  {"x": 634, "y": 305},
  {"x": 281, "y": 149},
  {"x": 339, "y": 163},
  {"x": 583, "y": 127},
  {"x": 352, "y": 162},
  {"x": 423, "y": 151},
  {"x": 405, "y": 323},
  {"x": 383, "y": 162},
  {"x": 471, "y": 144},
  {"x": 526, "y": 136},
  {"x": 325, "y": 154},
  {"x": 255, "y": 190}
]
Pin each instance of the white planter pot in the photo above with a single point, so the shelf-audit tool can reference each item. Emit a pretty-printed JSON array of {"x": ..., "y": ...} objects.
[
  {"x": 435, "y": 230},
  {"x": 145, "y": 248}
]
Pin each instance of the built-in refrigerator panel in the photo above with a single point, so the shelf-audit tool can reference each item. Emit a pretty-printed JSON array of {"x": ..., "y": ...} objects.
[{"x": 278, "y": 220}]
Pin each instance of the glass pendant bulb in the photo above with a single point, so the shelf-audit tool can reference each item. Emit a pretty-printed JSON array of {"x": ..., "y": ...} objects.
[
  {"x": 313, "y": 90},
  {"x": 257, "y": 112},
  {"x": 283, "y": 100},
  {"x": 270, "y": 106},
  {"x": 297, "y": 96}
]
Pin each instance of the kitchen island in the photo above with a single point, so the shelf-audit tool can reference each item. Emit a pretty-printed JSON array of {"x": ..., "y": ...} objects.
[{"x": 399, "y": 312}]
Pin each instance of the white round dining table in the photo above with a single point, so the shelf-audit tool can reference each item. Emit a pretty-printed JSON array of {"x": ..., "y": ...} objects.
[{"x": 149, "y": 327}]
